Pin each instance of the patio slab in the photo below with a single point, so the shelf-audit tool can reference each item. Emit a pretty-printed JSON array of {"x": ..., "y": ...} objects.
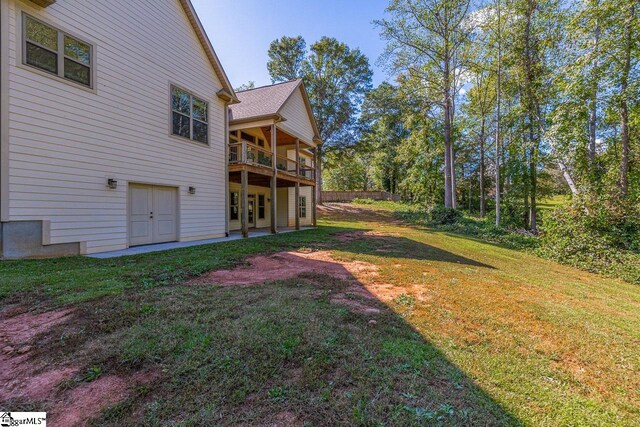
[{"x": 235, "y": 235}]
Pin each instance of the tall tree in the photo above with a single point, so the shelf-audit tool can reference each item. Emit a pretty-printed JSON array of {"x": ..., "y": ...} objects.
[
  {"x": 286, "y": 58},
  {"x": 336, "y": 76},
  {"x": 630, "y": 34},
  {"x": 427, "y": 39},
  {"x": 479, "y": 109}
]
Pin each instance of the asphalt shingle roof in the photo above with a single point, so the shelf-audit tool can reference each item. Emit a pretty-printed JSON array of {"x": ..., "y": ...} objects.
[{"x": 262, "y": 101}]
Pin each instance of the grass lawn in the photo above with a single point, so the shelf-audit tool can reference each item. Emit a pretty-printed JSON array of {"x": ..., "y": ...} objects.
[
  {"x": 458, "y": 332},
  {"x": 553, "y": 202}
]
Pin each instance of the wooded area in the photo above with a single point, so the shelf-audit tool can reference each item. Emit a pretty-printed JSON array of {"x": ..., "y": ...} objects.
[{"x": 489, "y": 107}]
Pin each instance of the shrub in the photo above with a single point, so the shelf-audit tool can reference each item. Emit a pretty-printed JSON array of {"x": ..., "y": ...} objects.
[
  {"x": 361, "y": 201},
  {"x": 595, "y": 235},
  {"x": 444, "y": 216}
]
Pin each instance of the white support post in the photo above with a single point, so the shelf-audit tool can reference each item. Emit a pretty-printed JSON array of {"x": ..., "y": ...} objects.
[{"x": 274, "y": 181}]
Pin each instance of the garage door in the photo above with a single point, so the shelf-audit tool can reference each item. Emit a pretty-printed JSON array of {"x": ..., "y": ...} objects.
[{"x": 153, "y": 212}]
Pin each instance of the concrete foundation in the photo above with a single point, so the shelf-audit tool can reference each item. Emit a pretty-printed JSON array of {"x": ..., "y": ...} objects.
[{"x": 23, "y": 239}]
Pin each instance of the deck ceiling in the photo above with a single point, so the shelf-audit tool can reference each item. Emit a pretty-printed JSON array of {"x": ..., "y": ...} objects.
[
  {"x": 261, "y": 180},
  {"x": 283, "y": 137}
]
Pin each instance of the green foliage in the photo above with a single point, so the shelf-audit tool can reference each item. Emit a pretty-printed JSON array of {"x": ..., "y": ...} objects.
[
  {"x": 336, "y": 78},
  {"x": 595, "y": 235},
  {"x": 442, "y": 215},
  {"x": 347, "y": 170},
  {"x": 286, "y": 56},
  {"x": 92, "y": 374},
  {"x": 361, "y": 201}
]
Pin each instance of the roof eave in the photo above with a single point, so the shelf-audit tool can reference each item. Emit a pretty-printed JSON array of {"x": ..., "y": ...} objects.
[
  {"x": 228, "y": 97},
  {"x": 208, "y": 47},
  {"x": 277, "y": 118}
]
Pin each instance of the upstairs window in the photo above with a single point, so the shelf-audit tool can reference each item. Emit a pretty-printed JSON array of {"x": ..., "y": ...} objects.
[
  {"x": 189, "y": 115},
  {"x": 56, "y": 52}
]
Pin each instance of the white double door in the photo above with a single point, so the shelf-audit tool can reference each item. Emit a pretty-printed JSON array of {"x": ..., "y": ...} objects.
[{"x": 153, "y": 214}]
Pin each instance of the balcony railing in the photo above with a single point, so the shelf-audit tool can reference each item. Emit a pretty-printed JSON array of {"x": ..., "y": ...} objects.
[{"x": 244, "y": 152}]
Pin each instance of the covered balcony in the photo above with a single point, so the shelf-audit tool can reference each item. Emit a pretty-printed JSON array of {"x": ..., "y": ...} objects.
[{"x": 286, "y": 156}]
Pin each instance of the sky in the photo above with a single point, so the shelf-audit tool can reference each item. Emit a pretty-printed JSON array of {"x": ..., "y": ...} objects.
[{"x": 241, "y": 30}]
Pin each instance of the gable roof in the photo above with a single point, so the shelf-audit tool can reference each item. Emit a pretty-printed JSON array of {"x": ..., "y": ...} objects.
[
  {"x": 267, "y": 101},
  {"x": 227, "y": 91}
]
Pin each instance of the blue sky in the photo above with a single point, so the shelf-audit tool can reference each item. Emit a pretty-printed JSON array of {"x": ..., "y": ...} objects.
[{"x": 241, "y": 30}]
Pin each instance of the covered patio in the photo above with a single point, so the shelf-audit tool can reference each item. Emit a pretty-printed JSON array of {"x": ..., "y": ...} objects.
[{"x": 272, "y": 154}]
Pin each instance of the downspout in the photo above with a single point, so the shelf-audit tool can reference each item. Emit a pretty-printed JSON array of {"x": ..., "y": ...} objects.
[
  {"x": 226, "y": 169},
  {"x": 228, "y": 99}
]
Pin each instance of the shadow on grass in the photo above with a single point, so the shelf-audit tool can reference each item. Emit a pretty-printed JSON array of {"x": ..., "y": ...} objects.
[
  {"x": 62, "y": 281},
  {"x": 363, "y": 242},
  {"x": 316, "y": 348}
]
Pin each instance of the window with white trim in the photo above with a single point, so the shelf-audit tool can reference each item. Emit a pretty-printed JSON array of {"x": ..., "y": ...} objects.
[
  {"x": 53, "y": 51},
  {"x": 234, "y": 206},
  {"x": 189, "y": 116}
]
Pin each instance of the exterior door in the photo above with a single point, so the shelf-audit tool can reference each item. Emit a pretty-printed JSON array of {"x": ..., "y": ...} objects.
[
  {"x": 252, "y": 212},
  {"x": 152, "y": 214}
]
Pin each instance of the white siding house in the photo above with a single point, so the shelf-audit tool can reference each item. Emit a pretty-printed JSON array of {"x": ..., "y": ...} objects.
[
  {"x": 273, "y": 144},
  {"x": 89, "y": 147}
]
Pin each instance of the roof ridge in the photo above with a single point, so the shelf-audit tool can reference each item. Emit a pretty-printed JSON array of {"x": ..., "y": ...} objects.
[{"x": 271, "y": 85}]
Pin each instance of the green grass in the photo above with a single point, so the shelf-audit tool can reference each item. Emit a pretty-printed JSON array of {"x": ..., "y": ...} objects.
[
  {"x": 553, "y": 202},
  {"x": 470, "y": 333},
  {"x": 78, "y": 279}
]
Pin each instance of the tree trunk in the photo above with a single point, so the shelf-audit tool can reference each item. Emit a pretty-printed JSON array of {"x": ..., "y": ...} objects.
[
  {"x": 448, "y": 162},
  {"x": 624, "y": 106},
  {"x": 498, "y": 115},
  {"x": 530, "y": 57},
  {"x": 319, "y": 175},
  {"x": 593, "y": 114},
  {"x": 533, "y": 182},
  {"x": 483, "y": 203},
  {"x": 568, "y": 178}
]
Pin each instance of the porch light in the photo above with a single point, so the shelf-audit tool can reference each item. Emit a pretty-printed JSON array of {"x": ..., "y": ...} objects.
[
  {"x": 112, "y": 183},
  {"x": 192, "y": 190}
]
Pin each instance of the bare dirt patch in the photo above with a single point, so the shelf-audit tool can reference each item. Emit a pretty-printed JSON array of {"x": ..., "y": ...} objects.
[
  {"x": 87, "y": 401},
  {"x": 287, "y": 265},
  {"x": 20, "y": 375},
  {"x": 24, "y": 376}
]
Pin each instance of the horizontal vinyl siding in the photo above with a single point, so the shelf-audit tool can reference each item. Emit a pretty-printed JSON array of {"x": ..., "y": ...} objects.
[
  {"x": 65, "y": 142},
  {"x": 304, "y": 192},
  {"x": 297, "y": 118}
]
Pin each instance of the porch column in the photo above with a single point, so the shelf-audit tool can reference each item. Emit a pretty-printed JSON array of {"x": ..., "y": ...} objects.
[
  {"x": 244, "y": 202},
  {"x": 274, "y": 181},
  {"x": 297, "y": 196},
  {"x": 297, "y": 204},
  {"x": 297, "y": 157},
  {"x": 314, "y": 202}
]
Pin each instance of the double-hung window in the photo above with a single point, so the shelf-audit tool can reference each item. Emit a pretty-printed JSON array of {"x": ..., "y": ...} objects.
[
  {"x": 56, "y": 52},
  {"x": 234, "y": 206},
  {"x": 261, "y": 207},
  {"x": 189, "y": 116}
]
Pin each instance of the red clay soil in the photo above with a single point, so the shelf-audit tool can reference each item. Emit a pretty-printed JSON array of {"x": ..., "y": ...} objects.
[
  {"x": 87, "y": 401},
  {"x": 287, "y": 265},
  {"x": 23, "y": 377},
  {"x": 18, "y": 372}
]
